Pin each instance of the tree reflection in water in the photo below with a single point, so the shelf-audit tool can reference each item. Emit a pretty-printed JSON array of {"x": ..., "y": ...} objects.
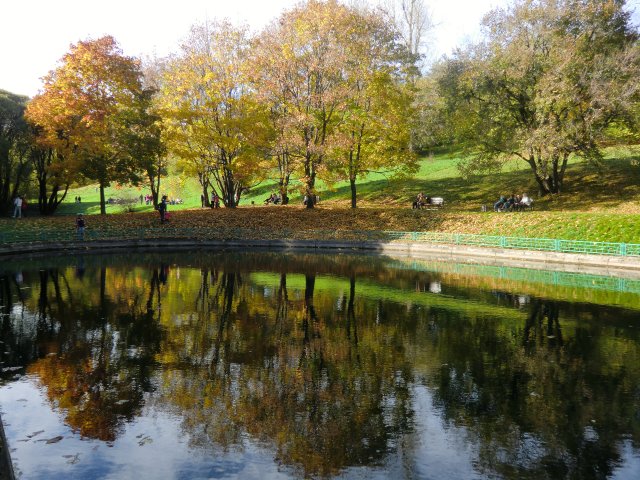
[{"x": 317, "y": 358}]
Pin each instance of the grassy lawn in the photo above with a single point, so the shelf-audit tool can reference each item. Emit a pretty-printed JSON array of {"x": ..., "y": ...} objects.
[{"x": 599, "y": 204}]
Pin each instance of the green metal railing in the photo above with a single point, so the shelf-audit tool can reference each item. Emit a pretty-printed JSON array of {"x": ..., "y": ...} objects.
[
  {"x": 519, "y": 243},
  {"x": 169, "y": 232}
]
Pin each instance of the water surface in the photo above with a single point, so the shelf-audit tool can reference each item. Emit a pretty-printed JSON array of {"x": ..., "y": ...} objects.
[{"x": 268, "y": 365}]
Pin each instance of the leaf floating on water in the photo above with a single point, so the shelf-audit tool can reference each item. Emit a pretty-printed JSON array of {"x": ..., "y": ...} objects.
[
  {"x": 72, "y": 459},
  {"x": 22, "y": 400},
  {"x": 35, "y": 433},
  {"x": 54, "y": 439},
  {"x": 145, "y": 440},
  {"x": 122, "y": 402}
]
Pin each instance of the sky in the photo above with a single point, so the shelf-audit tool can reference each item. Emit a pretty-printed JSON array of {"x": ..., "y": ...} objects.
[{"x": 35, "y": 34}]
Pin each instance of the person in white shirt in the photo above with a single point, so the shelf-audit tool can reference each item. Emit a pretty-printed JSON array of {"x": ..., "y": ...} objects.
[
  {"x": 17, "y": 207},
  {"x": 525, "y": 201}
]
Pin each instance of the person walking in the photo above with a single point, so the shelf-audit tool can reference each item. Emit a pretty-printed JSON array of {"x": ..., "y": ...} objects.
[
  {"x": 80, "y": 226},
  {"x": 17, "y": 207},
  {"x": 24, "y": 207},
  {"x": 162, "y": 208}
]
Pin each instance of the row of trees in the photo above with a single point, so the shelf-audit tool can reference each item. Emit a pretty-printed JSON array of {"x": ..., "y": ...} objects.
[
  {"x": 325, "y": 92},
  {"x": 329, "y": 92}
]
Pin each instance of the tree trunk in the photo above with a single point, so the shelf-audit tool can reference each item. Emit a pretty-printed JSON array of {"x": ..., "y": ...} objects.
[
  {"x": 154, "y": 183},
  {"x": 284, "y": 190},
  {"x": 103, "y": 207},
  {"x": 548, "y": 182},
  {"x": 205, "y": 194},
  {"x": 310, "y": 181},
  {"x": 352, "y": 182},
  {"x": 42, "y": 195},
  {"x": 285, "y": 174}
]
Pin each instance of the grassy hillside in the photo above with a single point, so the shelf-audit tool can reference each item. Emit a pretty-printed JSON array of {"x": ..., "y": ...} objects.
[
  {"x": 599, "y": 204},
  {"x": 614, "y": 186}
]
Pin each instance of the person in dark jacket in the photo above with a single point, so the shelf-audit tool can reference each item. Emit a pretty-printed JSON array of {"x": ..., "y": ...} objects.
[{"x": 162, "y": 208}]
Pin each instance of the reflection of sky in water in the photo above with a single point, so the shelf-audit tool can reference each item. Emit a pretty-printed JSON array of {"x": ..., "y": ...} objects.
[
  {"x": 153, "y": 446},
  {"x": 150, "y": 447}
]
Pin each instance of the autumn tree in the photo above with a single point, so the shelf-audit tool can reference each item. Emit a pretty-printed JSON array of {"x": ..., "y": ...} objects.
[
  {"x": 82, "y": 108},
  {"x": 374, "y": 129},
  {"x": 301, "y": 76},
  {"x": 548, "y": 81},
  {"x": 154, "y": 154},
  {"x": 141, "y": 136},
  {"x": 211, "y": 114},
  {"x": 14, "y": 148},
  {"x": 335, "y": 79}
]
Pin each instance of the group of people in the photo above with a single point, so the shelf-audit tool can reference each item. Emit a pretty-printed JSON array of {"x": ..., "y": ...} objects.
[
  {"x": 513, "y": 203},
  {"x": 421, "y": 200},
  {"x": 78, "y": 199},
  {"x": 19, "y": 207},
  {"x": 213, "y": 203},
  {"x": 274, "y": 198}
]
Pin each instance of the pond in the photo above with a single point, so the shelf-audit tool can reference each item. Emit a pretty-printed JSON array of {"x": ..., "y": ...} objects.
[{"x": 289, "y": 365}]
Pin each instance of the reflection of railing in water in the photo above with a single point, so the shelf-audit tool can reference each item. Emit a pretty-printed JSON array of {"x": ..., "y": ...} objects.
[
  {"x": 169, "y": 232},
  {"x": 548, "y": 277}
]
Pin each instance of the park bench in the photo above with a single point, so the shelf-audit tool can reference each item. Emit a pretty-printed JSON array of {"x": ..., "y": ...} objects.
[
  {"x": 437, "y": 202},
  {"x": 434, "y": 203}
]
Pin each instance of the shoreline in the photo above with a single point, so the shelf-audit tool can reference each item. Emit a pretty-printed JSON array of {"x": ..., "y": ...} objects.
[{"x": 608, "y": 265}]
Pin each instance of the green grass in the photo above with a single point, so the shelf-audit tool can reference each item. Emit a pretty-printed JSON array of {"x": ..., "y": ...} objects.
[
  {"x": 599, "y": 203},
  {"x": 188, "y": 190},
  {"x": 614, "y": 186}
]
